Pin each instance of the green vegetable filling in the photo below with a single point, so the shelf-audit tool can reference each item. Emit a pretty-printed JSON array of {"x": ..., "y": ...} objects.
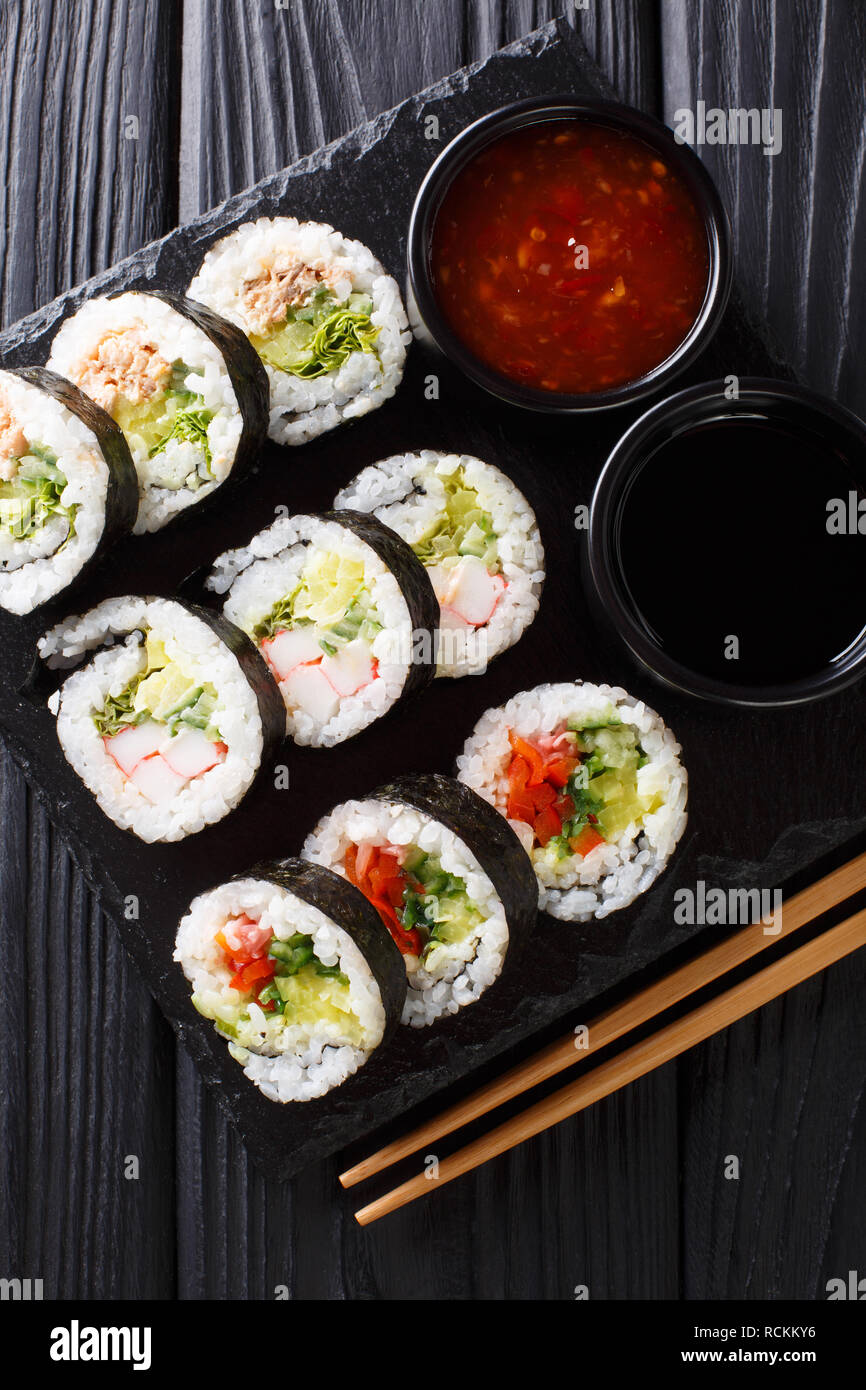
[
  {"x": 437, "y": 904},
  {"x": 161, "y": 692},
  {"x": 319, "y": 336},
  {"x": 604, "y": 787},
  {"x": 303, "y": 990},
  {"x": 331, "y": 596},
  {"x": 464, "y": 528},
  {"x": 175, "y": 414},
  {"x": 34, "y": 495}
]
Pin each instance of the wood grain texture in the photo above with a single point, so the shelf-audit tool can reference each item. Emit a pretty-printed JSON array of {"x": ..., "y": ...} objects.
[
  {"x": 86, "y": 1061},
  {"x": 798, "y": 216},
  {"x": 629, "y": 1199},
  {"x": 783, "y": 1091},
  {"x": 263, "y": 86}
]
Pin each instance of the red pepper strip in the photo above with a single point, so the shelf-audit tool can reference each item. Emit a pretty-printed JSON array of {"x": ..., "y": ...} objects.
[
  {"x": 236, "y": 957},
  {"x": 261, "y": 969},
  {"x": 542, "y": 796},
  {"x": 521, "y": 807},
  {"x": 518, "y": 774},
  {"x": 394, "y": 891},
  {"x": 380, "y": 878},
  {"x": 409, "y": 942},
  {"x": 586, "y": 841},
  {"x": 564, "y": 807},
  {"x": 559, "y": 771},
  {"x": 532, "y": 757},
  {"x": 547, "y": 825}
]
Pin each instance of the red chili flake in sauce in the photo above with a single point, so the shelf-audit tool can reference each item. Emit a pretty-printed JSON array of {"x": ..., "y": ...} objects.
[{"x": 570, "y": 256}]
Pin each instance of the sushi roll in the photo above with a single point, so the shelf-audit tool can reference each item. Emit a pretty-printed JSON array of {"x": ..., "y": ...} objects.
[
  {"x": 591, "y": 781},
  {"x": 67, "y": 487},
  {"x": 448, "y": 878},
  {"x": 476, "y": 535},
  {"x": 298, "y": 974},
  {"x": 326, "y": 320},
  {"x": 183, "y": 385},
  {"x": 169, "y": 721},
  {"x": 343, "y": 614}
]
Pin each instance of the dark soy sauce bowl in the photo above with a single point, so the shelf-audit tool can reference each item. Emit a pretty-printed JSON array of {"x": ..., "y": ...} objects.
[
  {"x": 424, "y": 308},
  {"x": 818, "y": 432}
]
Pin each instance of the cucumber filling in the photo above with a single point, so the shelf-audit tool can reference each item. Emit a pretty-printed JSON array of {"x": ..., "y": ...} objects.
[
  {"x": 164, "y": 693},
  {"x": 170, "y": 429},
  {"x": 281, "y": 985},
  {"x": 33, "y": 497},
  {"x": 463, "y": 528},
  {"x": 579, "y": 788},
  {"x": 317, "y": 336}
]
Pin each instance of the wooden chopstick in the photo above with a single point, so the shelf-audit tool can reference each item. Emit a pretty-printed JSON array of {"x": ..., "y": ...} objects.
[
  {"x": 636, "y": 1061},
  {"x": 798, "y": 911}
]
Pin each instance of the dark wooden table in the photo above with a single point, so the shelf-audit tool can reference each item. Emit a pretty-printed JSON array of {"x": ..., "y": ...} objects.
[{"x": 630, "y": 1199}]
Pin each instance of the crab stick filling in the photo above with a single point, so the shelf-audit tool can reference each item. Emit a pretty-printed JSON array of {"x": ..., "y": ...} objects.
[{"x": 161, "y": 731}]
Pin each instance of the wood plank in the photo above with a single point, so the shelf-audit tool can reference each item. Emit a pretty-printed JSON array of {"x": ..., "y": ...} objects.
[
  {"x": 266, "y": 86},
  {"x": 87, "y": 1073},
  {"x": 799, "y": 229},
  {"x": 783, "y": 1091}
]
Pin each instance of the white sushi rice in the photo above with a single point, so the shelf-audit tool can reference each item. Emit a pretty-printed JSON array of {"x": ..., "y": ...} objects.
[
  {"x": 34, "y": 569},
  {"x": 162, "y": 493},
  {"x": 287, "y": 1062},
  {"x": 466, "y": 968},
  {"x": 615, "y": 873},
  {"x": 206, "y": 798},
  {"x": 258, "y": 575},
  {"x": 302, "y": 409},
  {"x": 407, "y": 492}
]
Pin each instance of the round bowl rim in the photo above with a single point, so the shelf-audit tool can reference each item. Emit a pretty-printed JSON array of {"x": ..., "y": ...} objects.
[
  {"x": 530, "y": 110},
  {"x": 603, "y": 572}
]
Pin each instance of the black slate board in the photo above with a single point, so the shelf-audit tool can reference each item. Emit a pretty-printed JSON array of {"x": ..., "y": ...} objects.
[{"x": 753, "y": 817}]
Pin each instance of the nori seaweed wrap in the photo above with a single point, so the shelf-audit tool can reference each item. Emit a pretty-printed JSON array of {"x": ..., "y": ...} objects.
[
  {"x": 448, "y": 877},
  {"x": 184, "y": 385},
  {"x": 342, "y": 611},
  {"x": 68, "y": 488},
  {"x": 297, "y": 972},
  {"x": 171, "y": 717}
]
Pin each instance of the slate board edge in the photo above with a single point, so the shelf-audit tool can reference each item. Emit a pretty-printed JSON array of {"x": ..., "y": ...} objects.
[
  {"x": 147, "y": 259},
  {"x": 150, "y": 257}
]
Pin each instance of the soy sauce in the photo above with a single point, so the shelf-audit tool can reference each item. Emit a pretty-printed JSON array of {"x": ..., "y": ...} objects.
[{"x": 730, "y": 549}]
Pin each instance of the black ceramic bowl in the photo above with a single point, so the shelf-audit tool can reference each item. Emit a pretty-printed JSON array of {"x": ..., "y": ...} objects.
[
  {"x": 789, "y": 413},
  {"x": 533, "y": 111}
]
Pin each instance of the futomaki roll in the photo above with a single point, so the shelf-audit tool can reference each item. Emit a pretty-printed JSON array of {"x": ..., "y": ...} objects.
[
  {"x": 320, "y": 311},
  {"x": 183, "y": 385},
  {"x": 591, "y": 781},
  {"x": 67, "y": 486},
  {"x": 448, "y": 877},
  {"x": 296, "y": 971},
  {"x": 170, "y": 718},
  {"x": 342, "y": 612},
  {"x": 478, "y": 538}
]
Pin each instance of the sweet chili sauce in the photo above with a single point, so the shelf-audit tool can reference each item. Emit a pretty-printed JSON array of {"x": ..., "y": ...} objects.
[{"x": 570, "y": 257}]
